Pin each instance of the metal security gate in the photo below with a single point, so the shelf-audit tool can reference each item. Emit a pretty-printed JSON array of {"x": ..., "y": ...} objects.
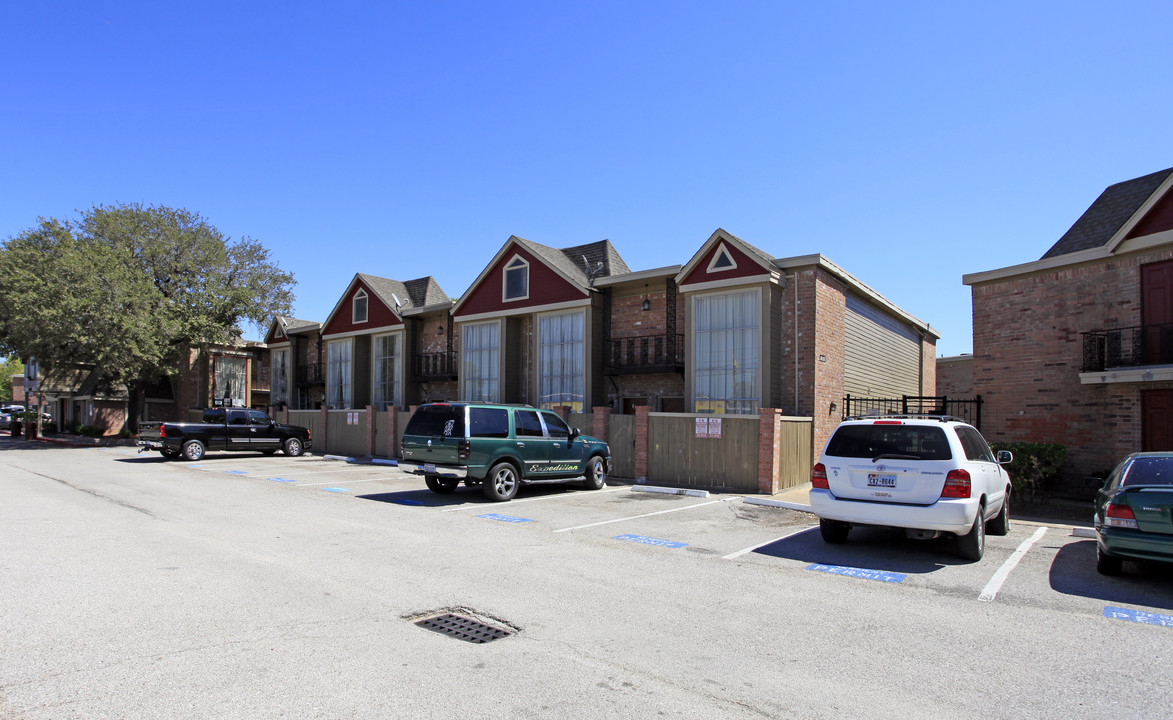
[{"x": 968, "y": 409}]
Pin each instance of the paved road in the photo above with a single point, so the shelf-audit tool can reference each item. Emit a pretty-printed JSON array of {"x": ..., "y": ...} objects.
[{"x": 250, "y": 587}]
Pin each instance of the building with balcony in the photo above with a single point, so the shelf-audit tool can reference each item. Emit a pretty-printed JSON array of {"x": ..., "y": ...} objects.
[{"x": 1077, "y": 347}]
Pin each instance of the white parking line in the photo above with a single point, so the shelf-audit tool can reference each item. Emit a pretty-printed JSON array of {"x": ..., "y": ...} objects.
[
  {"x": 636, "y": 517},
  {"x": 739, "y": 553},
  {"x": 335, "y": 482},
  {"x": 995, "y": 584},
  {"x": 480, "y": 506}
]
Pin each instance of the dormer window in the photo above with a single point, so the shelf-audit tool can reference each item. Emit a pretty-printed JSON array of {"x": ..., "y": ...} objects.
[
  {"x": 360, "y": 307},
  {"x": 516, "y": 279},
  {"x": 722, "y": 260}
]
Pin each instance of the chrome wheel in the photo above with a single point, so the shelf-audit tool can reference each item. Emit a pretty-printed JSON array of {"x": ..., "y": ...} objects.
[{"x": 502, "y": 482}]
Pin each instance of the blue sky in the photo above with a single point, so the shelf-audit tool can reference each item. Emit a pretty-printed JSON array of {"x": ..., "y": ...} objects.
[{"x": 910, "y": 143}]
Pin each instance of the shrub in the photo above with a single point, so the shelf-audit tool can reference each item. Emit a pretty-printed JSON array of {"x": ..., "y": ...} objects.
[
  {"x": 1035, "y": 466},
  {"x": 91, "y": 431}
]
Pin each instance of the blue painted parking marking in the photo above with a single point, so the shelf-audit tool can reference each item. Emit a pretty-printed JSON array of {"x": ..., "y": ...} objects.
[
  {"x": 862, "y": 573},
  {"x": 336, "y": 489},
  {"x": 235, "y": 472},
  {"x": 285, "y": 480},
  {"x": 1137, "y": 616},
  {"x": 650, "y": 541},
  {"x": 504, "y": 518}
]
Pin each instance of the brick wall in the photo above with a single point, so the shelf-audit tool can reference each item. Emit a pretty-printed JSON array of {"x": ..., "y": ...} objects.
[
  {"x": 954, "y": 377},
  {"x": 829, "y": 352},
  {"x": 1028, "y": 353}
]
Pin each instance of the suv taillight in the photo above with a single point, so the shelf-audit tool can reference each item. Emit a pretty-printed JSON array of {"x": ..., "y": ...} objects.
[
  {"x": 463, "y": 449},
  {"x": 1120, "y": 516},
  {"x": 819, "y": 477},
  {"x": 162, "y": 431},
  {"x": 957, "y": 484}
]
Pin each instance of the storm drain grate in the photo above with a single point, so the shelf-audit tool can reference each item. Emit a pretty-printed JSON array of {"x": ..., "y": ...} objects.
[{"x": 463, "y": 628}]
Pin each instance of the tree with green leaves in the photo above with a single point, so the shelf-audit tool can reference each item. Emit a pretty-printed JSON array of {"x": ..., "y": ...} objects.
[
  {"x": 129, "y": 290},
  {"x": 8, "y": 367}
]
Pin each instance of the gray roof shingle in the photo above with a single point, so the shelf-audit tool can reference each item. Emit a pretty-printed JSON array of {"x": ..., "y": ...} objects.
[{"x": 1108, "y": 214}]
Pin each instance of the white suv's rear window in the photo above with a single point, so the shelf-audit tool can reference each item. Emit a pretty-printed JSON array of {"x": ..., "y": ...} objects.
[{"x": 913, "y": 442}]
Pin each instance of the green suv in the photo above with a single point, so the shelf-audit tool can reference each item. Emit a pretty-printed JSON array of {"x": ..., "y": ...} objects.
[{"x": 500, "y": 447}]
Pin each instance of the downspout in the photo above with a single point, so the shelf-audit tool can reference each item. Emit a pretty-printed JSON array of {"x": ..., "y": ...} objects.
[{"x": 794, "y": 282}]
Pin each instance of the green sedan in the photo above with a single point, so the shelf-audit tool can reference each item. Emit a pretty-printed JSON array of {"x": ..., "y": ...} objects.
[{"x": 1134, "y": 512}]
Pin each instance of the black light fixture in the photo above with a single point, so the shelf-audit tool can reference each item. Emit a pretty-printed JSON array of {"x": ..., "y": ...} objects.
[
  {"x": 440, "y": 330},
  {"x": 647, "y": 304}
]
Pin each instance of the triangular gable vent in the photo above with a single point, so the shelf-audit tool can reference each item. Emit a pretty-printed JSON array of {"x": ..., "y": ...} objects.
[{"x": 722, "y": 260}]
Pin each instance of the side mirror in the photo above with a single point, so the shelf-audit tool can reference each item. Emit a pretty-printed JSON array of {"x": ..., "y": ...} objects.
[
  {"x": 574, "y": 432},
  {"x": 1005, "y": 457}
]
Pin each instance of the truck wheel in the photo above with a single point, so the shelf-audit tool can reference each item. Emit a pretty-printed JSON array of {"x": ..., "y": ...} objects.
[
  {"x": 440, "y": 485},
  {"x": 596, "y": 474},
  {"x": 293, "y": 447},
  {"x": 193, "y": 450},
  {"x": 501, "y": 483}
]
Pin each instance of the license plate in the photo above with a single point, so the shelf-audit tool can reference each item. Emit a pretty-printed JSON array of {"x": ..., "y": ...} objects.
[
  {"x": 429, "y": 467},
  {"x": 885, "y": 481}
]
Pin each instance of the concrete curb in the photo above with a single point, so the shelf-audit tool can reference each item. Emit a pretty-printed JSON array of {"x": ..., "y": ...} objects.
[
  {"x": 768, "y": 502},
  {"x": 670, "y": 491}
]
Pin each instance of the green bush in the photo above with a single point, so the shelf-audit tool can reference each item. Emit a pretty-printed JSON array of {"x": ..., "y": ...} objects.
[
  {"x": 91, "y": 431},
  {"x": 71, "y": 426},
  {"x": 1035, "y": 466}
]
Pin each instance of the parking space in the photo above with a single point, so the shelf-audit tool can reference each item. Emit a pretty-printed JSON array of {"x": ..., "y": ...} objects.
[{"x": 1035, "y": 564}]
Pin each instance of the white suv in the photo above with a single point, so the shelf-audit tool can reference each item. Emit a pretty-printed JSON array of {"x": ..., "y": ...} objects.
[{"x": 928, "y": 475}]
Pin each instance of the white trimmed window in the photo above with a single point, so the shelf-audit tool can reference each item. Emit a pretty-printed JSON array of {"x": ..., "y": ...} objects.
[
  {"x": 230, "y": 381},
  {"x": 359, "y": 307},
  {"x": 725, "y": 358},
  {"x": 280, "y": 361},
  {"x": 480, "y": 345},
  {"x": 516, "y": 285},
  {"x": 561, "y": 361},
  {"x": 338, "y": 374},
  {"x": 387, "y": 362}
]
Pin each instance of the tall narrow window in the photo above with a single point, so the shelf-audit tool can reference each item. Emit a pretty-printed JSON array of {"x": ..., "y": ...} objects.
[
  {"x": 479, "y": 368},
  {"x": 338, "y": 375},
  {"x": 726, "y": 357},
  {"x": 229, "y": 386},
  {"x": 386, "y": 362},
  {"x": 360, "y": 306},
  {"x": 280, "y": 395},
  {"x": 517, "y": 279},
  {"x": 561, "y": 364}
]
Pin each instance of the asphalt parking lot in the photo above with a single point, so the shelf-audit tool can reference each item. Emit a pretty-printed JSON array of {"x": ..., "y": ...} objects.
[
  {"x": 1034, "y": 560},
  {"x": 250, "y": 586}
]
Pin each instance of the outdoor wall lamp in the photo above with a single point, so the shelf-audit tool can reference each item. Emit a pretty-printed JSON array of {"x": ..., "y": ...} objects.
[
  {"x": 647, "y": 304},
  {"x": 834, "y": 407},
  {"x": 440, "y": 330}
]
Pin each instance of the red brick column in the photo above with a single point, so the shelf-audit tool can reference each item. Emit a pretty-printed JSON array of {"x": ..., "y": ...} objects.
[
  {"x": 769, "y": 452},
  {"x": 599, "y": 420},
  {"x": 641, "y": 442},
  {"x": 370, "y": 433}
]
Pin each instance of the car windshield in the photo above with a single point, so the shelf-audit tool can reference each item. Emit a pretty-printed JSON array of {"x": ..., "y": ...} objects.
[
  {"x": 917, "y": 442},
  {"x": 437, "y": 421},
  {"x": 1149, "y": 471}
]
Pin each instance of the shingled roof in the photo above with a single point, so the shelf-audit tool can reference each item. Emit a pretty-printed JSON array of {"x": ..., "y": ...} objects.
[
  {"x": 399, "y": 296},
  {"x": 1111, "y": 210},
  {"x": 569, "y": 261}
]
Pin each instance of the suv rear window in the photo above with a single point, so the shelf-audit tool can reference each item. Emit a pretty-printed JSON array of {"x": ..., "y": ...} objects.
[
  {"x": 437, "y": 421},
  {"x": 488, "y": 422},
  {"x": 870, "y": 441}
]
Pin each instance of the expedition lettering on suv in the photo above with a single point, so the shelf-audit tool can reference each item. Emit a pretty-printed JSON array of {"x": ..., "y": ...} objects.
[
  {"x": 500, "y": 447},
  {"x": 926, "y": 474}
]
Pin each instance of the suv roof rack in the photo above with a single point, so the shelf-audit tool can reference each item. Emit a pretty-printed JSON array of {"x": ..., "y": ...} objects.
[{"x": 909, "y": 416}]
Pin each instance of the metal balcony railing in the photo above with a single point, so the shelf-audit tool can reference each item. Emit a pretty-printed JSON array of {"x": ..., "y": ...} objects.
[
  {"x": 311, "y": 374},
  {"x": 645, "y": 354},
  {"x": 433, "y": 366},
  {"x": 1128, "y": 347}
]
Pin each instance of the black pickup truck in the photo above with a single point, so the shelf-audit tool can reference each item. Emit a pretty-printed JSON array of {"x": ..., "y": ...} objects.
[{"x": 223, "y": 429}]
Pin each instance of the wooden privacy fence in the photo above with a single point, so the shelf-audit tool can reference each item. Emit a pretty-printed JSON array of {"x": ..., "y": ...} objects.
[{"x": 353, "y": 433}]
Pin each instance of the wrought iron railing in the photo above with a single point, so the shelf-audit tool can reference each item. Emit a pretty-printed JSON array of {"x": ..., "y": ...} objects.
[
  {"x": 311, "y": 374},
  {"x": 968, "y": 409},
  {"x": 434, "y": 366},
  {"x": 645, "y": 354},
  {"x": 1128, "y": 347}
]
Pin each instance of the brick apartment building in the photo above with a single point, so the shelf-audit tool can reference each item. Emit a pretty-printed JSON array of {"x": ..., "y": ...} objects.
[
  {"x": 731, "y": 331},
  {"x": 1077, "y": 347}
]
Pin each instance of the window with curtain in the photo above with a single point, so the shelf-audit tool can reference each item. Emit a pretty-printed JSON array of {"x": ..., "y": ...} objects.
[
  {"x": 338, "y": 374},
  {"x": 561, "y": 361},
  {"x": 280, "y": 387},
  {"x": 726, "y": 353},
  {"x": 230, "y": 378},
  {"x": 480, "y": 374},
  {"x": 517, "y": 279},
  {"x": 359, "y": 308},
  {"x": 386, "y": 365}
]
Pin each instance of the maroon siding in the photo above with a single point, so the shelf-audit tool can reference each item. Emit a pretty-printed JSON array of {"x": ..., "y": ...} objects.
[
  {"x": 275, "y": 335},
  {"x": 545, "y": 287},
  {"x": 746, "y": 266},
  {"x": 1159, "y": 219},
  {"x": 378, "y": 315}
]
